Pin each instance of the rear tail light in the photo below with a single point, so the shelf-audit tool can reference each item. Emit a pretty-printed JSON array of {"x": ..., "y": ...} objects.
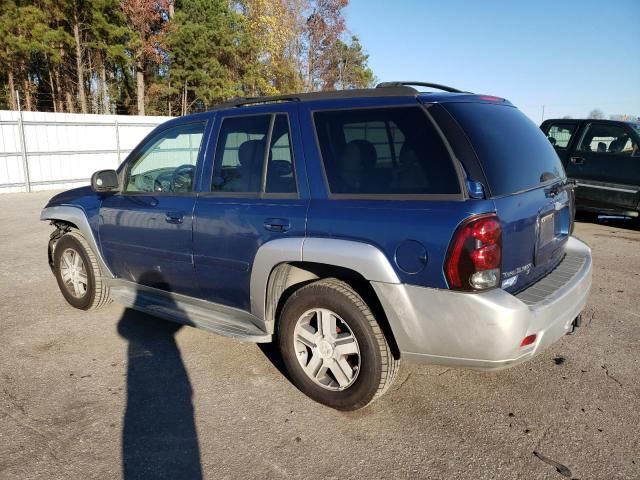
[{"x": 475, "y": 253}]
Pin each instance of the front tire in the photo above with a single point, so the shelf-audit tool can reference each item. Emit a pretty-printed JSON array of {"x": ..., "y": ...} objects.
[
  {"x": 78, "y": 273},
  {"x": 332, "y": 346}
]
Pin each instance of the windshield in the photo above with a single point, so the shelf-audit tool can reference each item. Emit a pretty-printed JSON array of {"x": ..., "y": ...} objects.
[{"x": 514, "y": 153}]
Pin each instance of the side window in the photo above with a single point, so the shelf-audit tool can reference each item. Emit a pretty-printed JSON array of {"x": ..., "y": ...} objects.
[
  {"x": 385, "y": 151},
  {"x": 280, "y": 177},
  {"x": 603, "y": 138},
  {"x": 560, "y": 134},
  {"x": 240, "y": 156},
  {"x": 167, "y": 163}
]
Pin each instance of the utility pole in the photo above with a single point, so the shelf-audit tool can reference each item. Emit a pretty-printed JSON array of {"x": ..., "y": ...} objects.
[
  {"x": 23, "y": 146},
  {"x": 542, "y": 119}
]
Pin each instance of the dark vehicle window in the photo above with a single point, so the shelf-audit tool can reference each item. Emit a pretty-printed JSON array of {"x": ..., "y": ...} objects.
[
  {"x": 280, "y": 177},
  {"x": 240, "y": 154},
  {"x": 388, "y": 151},
  {"x": 167, "y": 163},
  {"x": 239, "y": 161},
  {"x": 602, "y": 138},
  {"x": 514, "y": 153},
  {"x": 560, "y": 134}
]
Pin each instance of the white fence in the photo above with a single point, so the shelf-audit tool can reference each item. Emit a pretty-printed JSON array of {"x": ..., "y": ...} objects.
[{"x": 46, "y": 151}]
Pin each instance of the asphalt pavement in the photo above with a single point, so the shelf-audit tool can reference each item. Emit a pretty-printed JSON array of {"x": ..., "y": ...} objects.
[{"x": 118, "y": 394}]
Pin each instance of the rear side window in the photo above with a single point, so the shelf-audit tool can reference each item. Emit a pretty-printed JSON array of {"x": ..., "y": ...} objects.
[
  {"x": 513, "y": 151},
  {"x": 384, "y": 151},
  {"x": 560, "y": 134}
]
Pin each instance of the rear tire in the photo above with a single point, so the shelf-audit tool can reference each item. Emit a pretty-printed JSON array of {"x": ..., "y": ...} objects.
[
  {"x": 333, "y": 348},
  {"x": 78, "y": 273}
]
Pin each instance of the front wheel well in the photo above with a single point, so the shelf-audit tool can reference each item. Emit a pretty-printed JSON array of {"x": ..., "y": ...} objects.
[
  {"x": 62, "y": 227},
  {"x": 286, "y": 278}
]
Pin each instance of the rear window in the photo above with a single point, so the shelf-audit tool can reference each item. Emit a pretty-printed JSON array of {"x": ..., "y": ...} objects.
[
  {"x": 514, "y": 153},
  {"x": 384, "y": 151}
]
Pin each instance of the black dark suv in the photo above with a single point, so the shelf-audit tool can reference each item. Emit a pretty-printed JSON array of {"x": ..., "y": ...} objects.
[{"x": 603, "y": 156}]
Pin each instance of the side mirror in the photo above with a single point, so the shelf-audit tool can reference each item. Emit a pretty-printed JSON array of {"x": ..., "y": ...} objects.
[{"x": 105, "y": 181}]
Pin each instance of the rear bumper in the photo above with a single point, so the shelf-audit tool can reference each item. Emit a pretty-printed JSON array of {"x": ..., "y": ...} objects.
[{"x": 484, "y": 330}]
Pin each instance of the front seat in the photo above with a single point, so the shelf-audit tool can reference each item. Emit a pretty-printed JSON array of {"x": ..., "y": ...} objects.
[{"x": 247, "y": 176}]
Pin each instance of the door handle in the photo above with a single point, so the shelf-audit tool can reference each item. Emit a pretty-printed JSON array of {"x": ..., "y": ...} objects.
[
  {"x": 277, "y": 224},
  {"x": 174, "y": 217},
  {"x": 577, "y": 160}
]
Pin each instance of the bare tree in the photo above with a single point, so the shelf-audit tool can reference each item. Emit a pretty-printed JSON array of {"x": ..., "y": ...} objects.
[{"x": 596, "y": 114}]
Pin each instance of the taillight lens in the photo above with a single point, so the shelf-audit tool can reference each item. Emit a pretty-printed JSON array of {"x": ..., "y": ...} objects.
[{"x": 473, "y": 261}]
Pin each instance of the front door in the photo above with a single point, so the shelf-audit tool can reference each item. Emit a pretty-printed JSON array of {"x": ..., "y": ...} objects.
[
  {"x": 258, "y": 193},
  {"x": 146, "y": 230},
  {"x": 606, "y": 164}
]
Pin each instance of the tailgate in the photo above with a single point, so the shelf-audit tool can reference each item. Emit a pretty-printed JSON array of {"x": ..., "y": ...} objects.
[
  {"x": 535, "y": 229},
  {"x": 521, "y": 168}
]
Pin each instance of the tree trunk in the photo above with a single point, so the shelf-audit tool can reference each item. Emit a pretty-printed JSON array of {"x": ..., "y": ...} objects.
[
  {"x": 70, "y": 106},
  {"x": 27, "y": 95},
  {"x": 184, "y": 99},
  {"x": 59, "y": 90},
  {"x": 79, "y": 66},
  {"x": 140, "y": 85},
  {"x": 12, "y": 90},
  {"x": 53, "y": 92},
  {"x": 104, "y": 89}
]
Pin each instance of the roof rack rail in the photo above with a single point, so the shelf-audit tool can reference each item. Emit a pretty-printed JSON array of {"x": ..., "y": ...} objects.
[
  {"x": 397, "y": 89},
  {"x": 420, "y": 84},
  {"x": 241, "y": 101}
]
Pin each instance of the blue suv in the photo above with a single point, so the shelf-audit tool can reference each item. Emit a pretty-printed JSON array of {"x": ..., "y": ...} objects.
[{"x": 353, "y": 228}]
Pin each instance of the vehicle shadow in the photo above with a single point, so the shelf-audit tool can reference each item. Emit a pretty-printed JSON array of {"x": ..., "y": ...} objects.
[{"x": 159, "y": 437}]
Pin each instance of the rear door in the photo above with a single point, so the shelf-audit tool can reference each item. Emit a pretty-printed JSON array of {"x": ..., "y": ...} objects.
[
  {"x": 256, "y": 192},
  {"x": 607, "y": 166},
  {"x": 521, "y": 167}
]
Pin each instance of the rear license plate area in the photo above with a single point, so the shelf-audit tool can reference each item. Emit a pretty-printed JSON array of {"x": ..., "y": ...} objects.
[
  {"x": 549, "y": 239},
  {"x": 547, "y": 231}
]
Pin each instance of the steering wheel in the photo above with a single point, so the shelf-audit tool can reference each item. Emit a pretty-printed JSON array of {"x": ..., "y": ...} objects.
[{"x": 182, "y": 179}]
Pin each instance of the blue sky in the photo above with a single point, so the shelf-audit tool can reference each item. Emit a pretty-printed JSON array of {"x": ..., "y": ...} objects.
[{"x": 571, "y": 56}]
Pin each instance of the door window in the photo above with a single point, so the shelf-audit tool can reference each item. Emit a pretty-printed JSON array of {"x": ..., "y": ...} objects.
[
  {"x": 240, "y": 156},
  {"x": 280, "y": 177},
  {"x": 603, "y": 138},
  {"x": 560, "y": 134},
  {"x": 167, "y": 163}
]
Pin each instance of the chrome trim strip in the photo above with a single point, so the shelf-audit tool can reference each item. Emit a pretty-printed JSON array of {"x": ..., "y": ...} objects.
[
  {"x": 76, "y": 215},
  {"x": 603, "y": 187}
]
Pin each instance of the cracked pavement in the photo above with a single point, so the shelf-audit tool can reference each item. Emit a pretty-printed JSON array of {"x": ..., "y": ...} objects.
[{"x": 93, "y": 395}]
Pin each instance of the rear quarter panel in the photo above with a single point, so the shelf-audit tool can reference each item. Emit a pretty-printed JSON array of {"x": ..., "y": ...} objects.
[{"x": 385, "y": 224}]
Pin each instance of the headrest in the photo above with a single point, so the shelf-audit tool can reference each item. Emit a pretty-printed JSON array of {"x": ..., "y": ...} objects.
[
  {"x": 359, "y": 155},
  {"x": 250, "y": 152}
]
